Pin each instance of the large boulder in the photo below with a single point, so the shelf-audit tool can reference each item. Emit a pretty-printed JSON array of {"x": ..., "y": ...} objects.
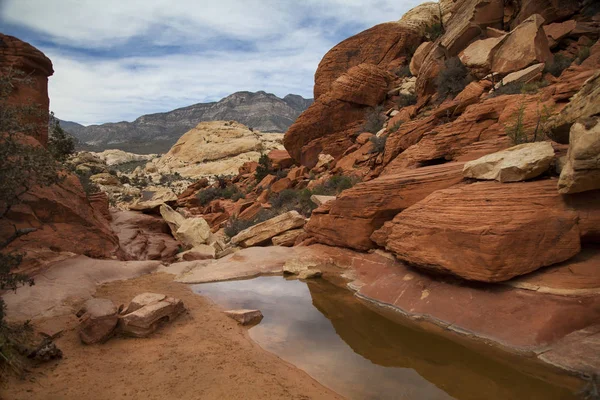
[
  {"x": 191, "y": 232},
  {"x": 264, "y": 231},
  {"x": 478, "y": 55},
  {"x": 526, "y": 75},
  {"x": 486, "y": 231},
  {"x": 21, "y": 56},
  {"x": 350, "y": 220},
  {"x": 582, "y": 171},
  {"x": 98, "y": 319},
  {"x": 329, "y": 124},
  {"x": 117, "y": 157},
  {"x": 550, "y": 10},
  {"x": 150, "y": 311},
  {"x": 519, "y": 163},
  {"x": 525, "y": 45},
  {"x": 417, "y": 59}
]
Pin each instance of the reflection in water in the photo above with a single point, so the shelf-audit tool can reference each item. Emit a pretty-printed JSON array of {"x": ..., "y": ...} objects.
[{"x": 326, "y": 332}]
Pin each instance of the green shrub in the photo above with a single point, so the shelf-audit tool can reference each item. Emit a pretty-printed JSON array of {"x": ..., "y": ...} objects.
[
  {"x": 516, "y": 131},
  {"x": 60, "y": 144},
  {"x": 558, "y": 65},
  {"x": 434, "y": 31},
  {"x": 373, "y": 120},
  {"x": 378, "y": 144},
  {"x": 395, "y": 127},
  {"x": 89, "y": 187},
  {"x": 209, "y": 194},
  {"x": 264, "y": 167},
  {"x": 453, "y": 78},
  {"x": 405, "y": 100},
  {"x": 290, "y": 199},
  {"x": 583, "y": 54},
  {"x": 235, "y": 226},
  {"x": 335, "y": 185}
]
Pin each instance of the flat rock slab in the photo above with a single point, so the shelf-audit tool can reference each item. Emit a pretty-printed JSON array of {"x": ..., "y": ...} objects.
[
  {"x": 577, "y": 352},
  {"x": 147, "y": 319},
  {"x": 68, "y": 283},
  {"x": 246, "y": 263},
  {"x": 245, "y": 317},
  {"x": 263, "y": 232}
]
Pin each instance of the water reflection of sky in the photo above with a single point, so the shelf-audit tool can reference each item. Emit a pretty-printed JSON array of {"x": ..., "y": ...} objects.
[{"x": 296, "y": 331}]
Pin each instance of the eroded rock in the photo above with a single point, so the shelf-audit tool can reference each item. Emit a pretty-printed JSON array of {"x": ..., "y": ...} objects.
[
  {"x": 582, "y": 170},
  {"x": 98, "y": 319},
  {"x": 245, "y": 317},
  {"x": 263, "y": 232},
  {"x": 149, "y": 317}
]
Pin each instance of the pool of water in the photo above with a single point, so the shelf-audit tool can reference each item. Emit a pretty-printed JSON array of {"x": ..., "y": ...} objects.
[{"x": 325, "y": 331}]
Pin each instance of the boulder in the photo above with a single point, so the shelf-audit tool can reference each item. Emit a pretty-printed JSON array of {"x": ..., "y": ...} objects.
[
  {"x": 519, "y": 163},
  {"x": 116, "y": 157},
  {"x": 364, "y": 84},
  {"x": 142, "y": 300},
  {"x": 550, "y": 10},
  {"x": 320, "y": 200},
  {"x": 362, "y": 209},
  {"x": 245, "y": 317},
  {"x": 98, "y": 319},
  {"x": 525, "y": 45},
  {"x": 267, "y": 181},
  {"x": 582, "y": 170},
  {"x": 280, "y": 159},
  {"x": 485, "y": 231},
  {"x": 584, "y": 104},
  {"x": 200, "y": 252},
  {"x": 417, "y": 58},
  {"x": 524, "y": 76},
  {"x": 190, "y": 232},
  {"x": 288, "y": 238},
  {"x": 148, "y": 318},
  {"x": 105, "y": 179},
  {"x": 379, "y": 45},
  {"x": 264, "y": 231},
  {"x": 152, "y": 198},
  {"x": 557, "y": 31},
  {"x": 281, "y": 185},
  {"x": 479, "y": 54},
  {"x": 172, "y": 217}
]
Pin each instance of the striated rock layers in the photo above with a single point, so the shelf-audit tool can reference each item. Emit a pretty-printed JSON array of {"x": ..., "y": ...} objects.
[{"x": 215, "y": 148}]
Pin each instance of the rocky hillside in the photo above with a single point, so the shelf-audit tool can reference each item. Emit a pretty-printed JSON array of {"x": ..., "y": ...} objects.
[{"x": 156, "y": 133}]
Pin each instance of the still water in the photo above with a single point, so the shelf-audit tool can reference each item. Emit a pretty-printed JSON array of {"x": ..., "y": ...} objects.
[{"x": 323, "y": 330}]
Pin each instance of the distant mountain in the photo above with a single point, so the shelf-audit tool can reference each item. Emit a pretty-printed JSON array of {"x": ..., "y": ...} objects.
[{"x": 156, "y": 133}]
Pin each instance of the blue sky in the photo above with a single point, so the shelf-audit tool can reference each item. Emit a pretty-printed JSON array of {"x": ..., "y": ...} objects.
[{"x": 115, "y": 60}]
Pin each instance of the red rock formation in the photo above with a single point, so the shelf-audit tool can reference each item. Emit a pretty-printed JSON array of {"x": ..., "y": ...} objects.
[
  {"x": 21, "y": 56},
  {"x": 280, "y": 159},
  {"x": 486, "y": 231},
  {"x": 350, "y": 220},
  {"x": 379, "y": 45}
]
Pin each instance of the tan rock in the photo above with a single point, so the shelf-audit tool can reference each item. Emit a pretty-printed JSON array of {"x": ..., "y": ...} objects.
[
  {"x": 172, "y": 217},
  {"x": 519, "y": 163},
  {"x": 150, "y": 317},
  {"x": 486, "y": 231},
  {"x": 142, "y": 300},
  {"x": 288, "y": 238},
  {"x": 417, "y": 58},
  {"x": 200, "y": 252},
  {"x": 245, "y": 317},
  {"x": 153, "y": 197},
  {"x": 97, "y": 320},
  {"x": 582, "y": 171},
  {"x": 320, "y": 200},
  {"x": 525, "y": 45},
  {"x": 525, "y": 75},
  {"x": 479, "y": 54},
  {"x": 116, "y": 157},
  {"x": 324, "y": 161},
  {"x": 105, "y": 179},
  {"x": 281, "y": 185},
  {"x": 263, "y": 232},
  {"x": 310, "y": 274},
  {"x": 193, "y": 232},
  {"x": 295, "y": 266}
]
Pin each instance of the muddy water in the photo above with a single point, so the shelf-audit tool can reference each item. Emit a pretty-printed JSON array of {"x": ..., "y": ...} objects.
[{"x": 325, "y": 331}]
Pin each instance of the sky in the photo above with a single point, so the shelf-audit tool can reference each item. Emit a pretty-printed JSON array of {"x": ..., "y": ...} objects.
[{"x": 115, "y": 60}]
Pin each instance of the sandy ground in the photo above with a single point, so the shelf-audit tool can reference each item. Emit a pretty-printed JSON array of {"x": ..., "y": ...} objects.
[{"x": 201, "y": 355}]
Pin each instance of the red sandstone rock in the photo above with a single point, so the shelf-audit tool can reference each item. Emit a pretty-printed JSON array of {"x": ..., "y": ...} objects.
[
  {"x": 280, "y": 159},
  {"x": 555, "y": 32},
  {"x": 361, "y": 210},
  {"x": 281, "y": 185},
  {"x": 297, "y": 173},
  {"x": 100, "y": 204},
  {"x": 486, "y": 231},
  {"x": 21, "y": 56},
  {"x": 250, "y": 212},
  {"x": 267, "y": 181},
  {"x": 248, "y": 168},
  {"x": 364, "y": 84},
  {"x": 379, "y": 45},
  {"x": 417, "y": 59},
  {"x": 550, "y": 10}
]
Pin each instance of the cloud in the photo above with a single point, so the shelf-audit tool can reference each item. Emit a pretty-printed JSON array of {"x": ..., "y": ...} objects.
[{"x": 115, "y": 59}]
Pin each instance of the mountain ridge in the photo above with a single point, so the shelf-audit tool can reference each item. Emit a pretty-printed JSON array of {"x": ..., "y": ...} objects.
[{"x": 157, "y": 132}]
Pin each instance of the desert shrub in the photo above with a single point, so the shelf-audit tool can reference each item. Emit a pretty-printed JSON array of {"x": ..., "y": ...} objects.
[
  {"x": 516, "y": 130},
  {"x": 434, "y": 31},
  {"x": 129, "y": 166},
  {"x": 558, "y": 65},
  {"x": 373, "y": 120},
  {"x": 335, "y": 185},
  {"x": 60, "y": 144},
  {"x": 209, "y": 194},
  {"x": 395, "y": 126},
  {"x": 405, "y": 100},
  {"x": 235, "y": 226},
  {"x": 281, "y": 174},
  {"x": 89, "y": 187},
  {"x": 583, "y": 54},
  {"x": 169, "y": 178},
  {"x": 453, "y": 78},
  {"x": 510, "y": 88},
  {"x": 378, "y": 143},
  {"x": 290, "y": 199},
  {"x": 264, "y": 167},
  {"x": 403, "y": 72}
]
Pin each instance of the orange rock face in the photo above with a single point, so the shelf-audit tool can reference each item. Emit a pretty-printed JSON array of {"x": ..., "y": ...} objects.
[
  {"x": 350, "y": 220},
  {"x": 487, "y": 231},
  {"x": 21, "y": 56},
  {"x": 280, "y": 159},
  {"x": 379, "y": 45}
]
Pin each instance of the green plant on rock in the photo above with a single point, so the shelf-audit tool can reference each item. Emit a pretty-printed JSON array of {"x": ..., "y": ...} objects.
[
  {"x": 264, "y": 168},
  {"x": 516, "y": 130},
  {"x": 435, "y": 31},
  {"x": 395, "y": 126},
  {"x": 453, "y": 78},
  {"x": 405, "y": 100},
  {"x": 60, "y": 144},
  {"x": 558, "y": 65},
  {"x": 335, "y": 185},
  {"x": 373, "y": 120},
  {"x": 291, "y": 199},
  {"x": 378, "y": 144},
  {"x": 209, "y": 194}
]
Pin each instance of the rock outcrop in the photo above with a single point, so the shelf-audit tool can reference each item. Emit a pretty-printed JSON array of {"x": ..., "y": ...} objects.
[
  {"x": 216, "y": 148},
  {"x": 263, "y": 232},
  {"x": 486, "y": 231},
  {"x": 17, "y": 55},
  {"x": 582, "y": 171},
  {"x": 116, "y": 157},
  {"x": 149, "y": 312}
]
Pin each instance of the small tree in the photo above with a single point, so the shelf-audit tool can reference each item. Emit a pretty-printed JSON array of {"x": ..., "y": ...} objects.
[
  {"x": 60, "y": 144},
  {"x": 264, "y": 167}
]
